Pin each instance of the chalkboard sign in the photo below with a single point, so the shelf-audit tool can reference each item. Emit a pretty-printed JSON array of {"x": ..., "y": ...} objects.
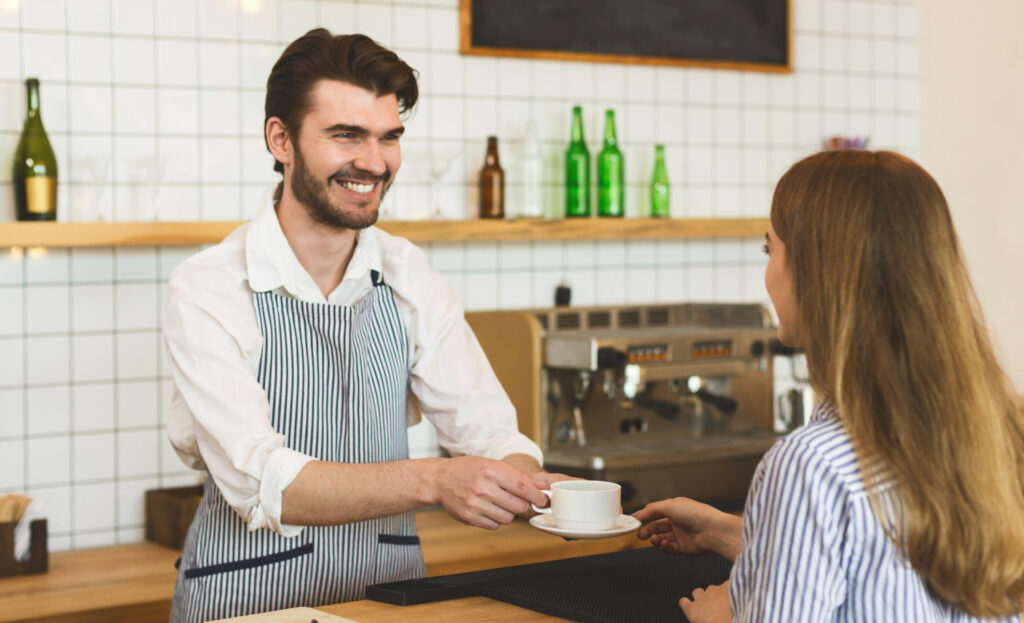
[{"x": 733, "y": 34}]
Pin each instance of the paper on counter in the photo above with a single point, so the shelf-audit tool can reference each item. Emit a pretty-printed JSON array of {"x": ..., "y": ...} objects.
[
  {"x": 291, "y": 615},
  {"x": 36, "y": 509}
]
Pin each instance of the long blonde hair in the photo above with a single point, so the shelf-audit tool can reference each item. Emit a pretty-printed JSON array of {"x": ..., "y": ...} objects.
[{"x": 895, "y": 338}]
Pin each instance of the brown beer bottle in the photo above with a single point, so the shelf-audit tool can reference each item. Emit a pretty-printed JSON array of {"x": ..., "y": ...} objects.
[{"x": 492, "y": 183}]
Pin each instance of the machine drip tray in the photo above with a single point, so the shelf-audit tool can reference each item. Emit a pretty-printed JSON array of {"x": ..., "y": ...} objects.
[
  {"x": 716, "y": 470},
  {"x": 669, "y": 450}
]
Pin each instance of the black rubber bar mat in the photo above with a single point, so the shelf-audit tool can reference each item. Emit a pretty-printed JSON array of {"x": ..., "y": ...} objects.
[
  {"x": 647, "y": 592},
  {"x": 634, "y": 585}
]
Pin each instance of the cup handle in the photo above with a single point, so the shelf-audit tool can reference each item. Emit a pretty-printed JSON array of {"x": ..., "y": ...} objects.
[{"x": 547, "y": 510}]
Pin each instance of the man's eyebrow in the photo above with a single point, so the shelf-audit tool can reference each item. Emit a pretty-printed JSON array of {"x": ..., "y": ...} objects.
[
  {"x": 360, "y": 130},
  {"x": 344, "y": 127},
  {"x": 767, "y": 237}
]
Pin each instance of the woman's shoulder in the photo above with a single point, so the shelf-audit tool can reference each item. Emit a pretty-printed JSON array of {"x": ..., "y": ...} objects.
[{"x": 820, "y": 449}]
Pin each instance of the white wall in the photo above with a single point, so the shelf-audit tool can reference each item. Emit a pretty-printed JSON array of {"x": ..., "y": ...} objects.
[
  {"x": 154, "y": 108},
  {"x": 972, "y": 141}
]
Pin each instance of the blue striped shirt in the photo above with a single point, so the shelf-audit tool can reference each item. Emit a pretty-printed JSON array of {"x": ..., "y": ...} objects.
[{"x": 813, "y": 549}]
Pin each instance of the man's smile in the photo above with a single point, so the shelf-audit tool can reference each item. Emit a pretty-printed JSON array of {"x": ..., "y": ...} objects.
[{"x": 360, "y": 188}]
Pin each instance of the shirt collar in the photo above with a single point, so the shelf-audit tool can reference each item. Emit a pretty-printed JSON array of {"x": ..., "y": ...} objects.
[
  {"x": 271, "y": 262},
  {"x": 824, "y": 411}
]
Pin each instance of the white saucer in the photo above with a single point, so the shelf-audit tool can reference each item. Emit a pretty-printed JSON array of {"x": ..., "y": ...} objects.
[{"x": 624, "y": 524}]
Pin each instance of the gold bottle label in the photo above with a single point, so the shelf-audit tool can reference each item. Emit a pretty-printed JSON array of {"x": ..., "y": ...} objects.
[{"x": 41, "y": 194}]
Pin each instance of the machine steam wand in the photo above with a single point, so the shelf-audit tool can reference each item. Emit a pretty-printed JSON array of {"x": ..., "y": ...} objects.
[{"x": 582, "y": 386}]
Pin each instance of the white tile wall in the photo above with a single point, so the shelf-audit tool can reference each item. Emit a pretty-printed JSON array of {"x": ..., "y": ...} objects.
[{"x": 155, "y": 110}]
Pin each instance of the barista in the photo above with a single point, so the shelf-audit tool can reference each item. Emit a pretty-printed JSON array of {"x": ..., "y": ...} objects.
[{"x": 304, "y": 344}]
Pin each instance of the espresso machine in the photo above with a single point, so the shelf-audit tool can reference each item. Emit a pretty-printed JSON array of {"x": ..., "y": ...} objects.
[{"x": 667, "y": 400}]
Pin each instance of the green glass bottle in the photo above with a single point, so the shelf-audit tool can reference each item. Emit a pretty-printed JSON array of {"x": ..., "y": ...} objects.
[
  {"x": 577, "y": 170},
  {"x": 611, "y": 187},
  {"x": 659, "y": 185},
  {"x": 35, "y": 166}
]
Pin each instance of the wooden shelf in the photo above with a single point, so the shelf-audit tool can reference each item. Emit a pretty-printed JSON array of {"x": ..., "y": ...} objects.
[
  {"x": 112, "y": 234},
  {"x": 166, "y": 233}
]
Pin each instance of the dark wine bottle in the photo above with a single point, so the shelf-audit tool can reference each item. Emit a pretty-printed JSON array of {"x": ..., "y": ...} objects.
[{"x": 35, "y": 166}]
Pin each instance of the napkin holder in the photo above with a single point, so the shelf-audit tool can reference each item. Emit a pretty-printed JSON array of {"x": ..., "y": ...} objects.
[
  {"x": 169, "y": 514},
  {"x": 38, "y": 560}
]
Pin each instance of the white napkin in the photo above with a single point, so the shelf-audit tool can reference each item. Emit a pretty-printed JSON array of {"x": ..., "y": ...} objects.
[{"x": 23, "y": 531}]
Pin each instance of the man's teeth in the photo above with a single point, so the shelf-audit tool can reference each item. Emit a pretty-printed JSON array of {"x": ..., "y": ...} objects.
[{"x": 358, "y": 188}]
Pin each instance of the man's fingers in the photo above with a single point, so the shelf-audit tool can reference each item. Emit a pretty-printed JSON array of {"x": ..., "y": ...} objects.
[
  {"x": 485, "y": 523},
  {"x": 484, "y": 514},
  {"x": 518, "y": 485},
  {"x": 509, "y": 502}
]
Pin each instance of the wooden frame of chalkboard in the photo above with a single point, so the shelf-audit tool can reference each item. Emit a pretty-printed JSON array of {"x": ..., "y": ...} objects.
[{"x": 748, "y": 35}]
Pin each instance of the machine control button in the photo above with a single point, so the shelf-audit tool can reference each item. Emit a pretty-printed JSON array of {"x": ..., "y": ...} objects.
[
  {"x": 646, "y": 353},
  {"x": 716, "y": 349}
]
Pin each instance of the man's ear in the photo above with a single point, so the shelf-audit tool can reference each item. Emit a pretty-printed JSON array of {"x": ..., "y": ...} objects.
[{"x": 278, "y": 140}]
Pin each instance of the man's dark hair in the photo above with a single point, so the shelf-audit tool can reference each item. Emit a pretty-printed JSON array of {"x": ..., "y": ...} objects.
[{"x": 319, "y": 55}]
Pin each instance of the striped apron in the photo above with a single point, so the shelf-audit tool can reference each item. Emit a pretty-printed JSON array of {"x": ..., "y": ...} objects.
[{"x": 336, "y": 378}]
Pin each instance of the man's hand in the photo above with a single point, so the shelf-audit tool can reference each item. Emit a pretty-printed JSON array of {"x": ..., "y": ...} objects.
[
  {"x": 685, "y": 526},
  {"x": 484, "y": 492},
  {"x": 549, "y": 479},
  {"x": 710, "y": 605},
  {"x": 529, "y": 466}
]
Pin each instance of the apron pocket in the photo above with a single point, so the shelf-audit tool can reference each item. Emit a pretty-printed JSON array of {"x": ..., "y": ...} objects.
[
  {"x": 398, "y": 539},
  {"x": 250, "y": 563},
  {"x": 398, "y": 558}
]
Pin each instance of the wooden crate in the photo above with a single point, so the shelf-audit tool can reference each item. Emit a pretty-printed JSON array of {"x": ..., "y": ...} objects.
[
  {"x": 169, "y": 513},
  {"x": 38, "y": 559}
]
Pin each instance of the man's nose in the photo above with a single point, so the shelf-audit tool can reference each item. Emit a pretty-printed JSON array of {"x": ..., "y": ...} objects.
[{"x": 370, "y": 158}]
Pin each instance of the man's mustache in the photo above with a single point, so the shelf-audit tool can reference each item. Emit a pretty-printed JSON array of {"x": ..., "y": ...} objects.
[{"x": 357, "y": 175}]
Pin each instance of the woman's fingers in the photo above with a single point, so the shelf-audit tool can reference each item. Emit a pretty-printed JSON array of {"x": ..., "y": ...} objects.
[
  {"x": 658, "y": 527},
  {"x": 654, "y": 510}
]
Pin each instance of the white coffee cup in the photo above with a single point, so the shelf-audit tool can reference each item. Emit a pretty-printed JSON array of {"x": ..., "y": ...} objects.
[{"x": 583, "y": 504}]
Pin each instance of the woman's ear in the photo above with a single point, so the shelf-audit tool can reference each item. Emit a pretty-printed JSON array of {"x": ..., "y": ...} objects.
[{"x": 279, "y": 140}]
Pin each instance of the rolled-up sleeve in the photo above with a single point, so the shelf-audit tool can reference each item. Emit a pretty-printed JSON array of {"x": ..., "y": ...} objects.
[
  {"x": 220, "y": 415},
  {"x": 450, "y": 376},
  {"x": 790, "y": 568}
]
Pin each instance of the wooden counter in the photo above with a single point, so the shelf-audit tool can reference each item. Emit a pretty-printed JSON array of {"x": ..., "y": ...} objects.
[{"x": 134, "y": 583}]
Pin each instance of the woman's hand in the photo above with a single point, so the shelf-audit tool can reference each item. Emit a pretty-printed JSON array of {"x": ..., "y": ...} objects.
[
  {"x": 685, "y": 526},
  {"x": 710, "y": 605}
]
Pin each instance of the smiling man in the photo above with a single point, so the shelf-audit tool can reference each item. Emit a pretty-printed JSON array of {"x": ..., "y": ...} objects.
[{"x": 302, "y": 347}]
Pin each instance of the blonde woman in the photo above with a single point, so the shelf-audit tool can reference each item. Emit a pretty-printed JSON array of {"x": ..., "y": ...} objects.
[{"x": 902, "y": 498}]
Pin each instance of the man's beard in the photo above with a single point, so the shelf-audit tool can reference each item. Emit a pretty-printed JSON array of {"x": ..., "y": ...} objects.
[{"x": 315, "y": 196}]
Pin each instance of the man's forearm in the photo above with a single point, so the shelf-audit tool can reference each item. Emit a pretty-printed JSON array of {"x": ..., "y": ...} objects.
[{"x": 325, "y": 494}]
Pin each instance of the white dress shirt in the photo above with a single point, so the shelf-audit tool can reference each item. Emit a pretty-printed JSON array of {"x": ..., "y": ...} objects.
[{"x": 219, "y": 418}]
